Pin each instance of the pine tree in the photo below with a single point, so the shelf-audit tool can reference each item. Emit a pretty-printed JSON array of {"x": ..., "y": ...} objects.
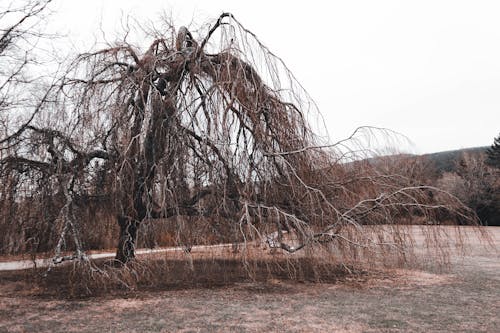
[{"x": 493, "y": 153}]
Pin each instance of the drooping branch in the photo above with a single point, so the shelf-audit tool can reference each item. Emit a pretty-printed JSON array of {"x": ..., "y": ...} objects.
[{"x": 193, "y": 132}]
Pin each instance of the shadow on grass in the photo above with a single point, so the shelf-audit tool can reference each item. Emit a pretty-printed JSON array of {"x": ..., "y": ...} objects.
[{"x": 80, "y": 280}]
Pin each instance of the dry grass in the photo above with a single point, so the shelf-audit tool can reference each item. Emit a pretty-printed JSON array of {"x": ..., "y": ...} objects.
[
  {"x": 462, "y": 299},
  {"x": 429, "y": 247}
]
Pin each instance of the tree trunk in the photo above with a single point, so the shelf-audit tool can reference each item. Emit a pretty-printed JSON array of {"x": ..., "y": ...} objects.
[{"x": 128, "y": 237}]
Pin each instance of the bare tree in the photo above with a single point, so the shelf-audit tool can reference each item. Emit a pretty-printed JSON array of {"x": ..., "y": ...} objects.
[
  {"x": 22, "y": 93},
  {"x": 19, "y": 35},
  {"x": 200, "y": 130},
  {"x": 477, "y": 185}
]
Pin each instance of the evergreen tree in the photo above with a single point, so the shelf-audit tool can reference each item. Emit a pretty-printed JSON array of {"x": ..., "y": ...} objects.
[{"x": 493, "y": 153}]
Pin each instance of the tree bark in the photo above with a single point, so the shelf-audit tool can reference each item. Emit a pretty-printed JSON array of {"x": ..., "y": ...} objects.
[{"x": 127, "y": 241}]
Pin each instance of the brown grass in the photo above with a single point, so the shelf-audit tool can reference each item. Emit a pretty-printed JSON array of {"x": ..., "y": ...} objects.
[
  {"x": 226, "y": 264},
  {"x": 461, "y": 299}
]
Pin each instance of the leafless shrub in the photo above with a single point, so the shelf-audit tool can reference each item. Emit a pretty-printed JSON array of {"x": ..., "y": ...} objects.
[
  {"x": 211, "y": 136},
  {"x": 477, "y": 185}
]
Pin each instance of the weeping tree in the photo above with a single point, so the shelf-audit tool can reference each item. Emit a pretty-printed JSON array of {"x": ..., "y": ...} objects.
[{"x": 201, "y": 129}]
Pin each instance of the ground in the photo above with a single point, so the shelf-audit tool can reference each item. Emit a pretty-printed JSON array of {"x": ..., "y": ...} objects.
[{"x": 463, "y": 298}]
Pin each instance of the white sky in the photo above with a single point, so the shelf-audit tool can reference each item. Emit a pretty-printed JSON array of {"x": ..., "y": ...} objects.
[{"x": 427, "y": 69}]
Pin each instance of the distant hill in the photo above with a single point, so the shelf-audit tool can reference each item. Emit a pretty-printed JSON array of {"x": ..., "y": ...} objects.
[
  {"x": 480, "y": 194},
  {"x": 446, "y": 161}
]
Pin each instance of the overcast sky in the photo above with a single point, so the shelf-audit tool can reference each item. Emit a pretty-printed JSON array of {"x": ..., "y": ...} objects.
[{"x": 427, "y": 69}]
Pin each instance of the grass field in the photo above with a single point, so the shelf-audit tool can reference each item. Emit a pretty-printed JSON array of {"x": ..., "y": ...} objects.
[{"x": 463, "y": 298}]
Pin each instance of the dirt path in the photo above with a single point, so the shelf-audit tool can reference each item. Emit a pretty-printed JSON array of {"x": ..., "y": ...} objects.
[
  {"x": 465, "y": 299},
  {"x": 14, "y": 265}
]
